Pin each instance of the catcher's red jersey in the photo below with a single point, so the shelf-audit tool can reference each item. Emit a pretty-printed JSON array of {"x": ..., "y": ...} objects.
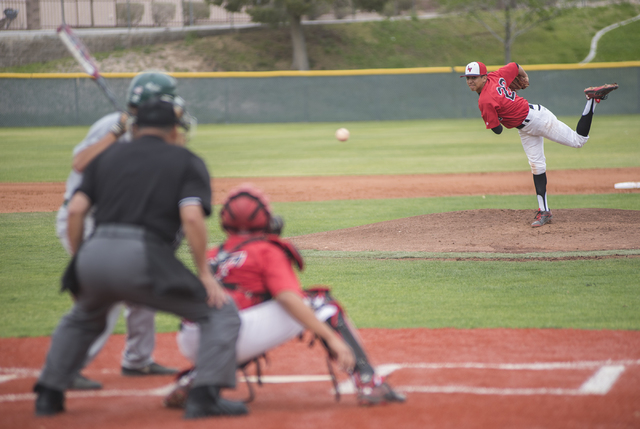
[
  {"x": 259, "y": 270},
  {"x": 500, "y": 105}
]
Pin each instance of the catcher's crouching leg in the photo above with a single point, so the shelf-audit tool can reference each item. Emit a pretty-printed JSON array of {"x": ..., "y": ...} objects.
[{"x": 371, "y": 387}]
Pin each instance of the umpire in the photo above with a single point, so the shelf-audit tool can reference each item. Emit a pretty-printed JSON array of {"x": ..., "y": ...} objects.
[{"x": 146, "y": 194}]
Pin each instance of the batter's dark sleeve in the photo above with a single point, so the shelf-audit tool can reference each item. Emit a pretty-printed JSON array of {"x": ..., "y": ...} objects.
[{"x": 197, "y": 184}]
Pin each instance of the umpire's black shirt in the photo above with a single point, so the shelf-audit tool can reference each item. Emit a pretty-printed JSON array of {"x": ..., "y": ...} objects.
[{"x": 144, "y": 183}]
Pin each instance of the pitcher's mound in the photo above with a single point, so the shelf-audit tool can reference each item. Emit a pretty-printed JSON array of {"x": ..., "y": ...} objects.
[{"x": 489, "y": 230}]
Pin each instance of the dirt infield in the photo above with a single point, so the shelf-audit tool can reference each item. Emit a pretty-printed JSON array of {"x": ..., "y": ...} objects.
[
  {"x": 43, "y": 197},
  {"x": 466, "y": 231},
  {"x": 490, "y": 230},
  {"x": 485, "y": 378}
]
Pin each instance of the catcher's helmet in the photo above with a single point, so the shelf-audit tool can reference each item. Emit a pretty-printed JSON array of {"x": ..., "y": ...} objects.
[
  {"x": 246, "y": 209},
  {"x": 150, "y": 84}
]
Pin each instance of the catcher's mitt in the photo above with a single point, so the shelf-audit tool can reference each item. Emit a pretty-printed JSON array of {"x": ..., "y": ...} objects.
[{"x": 520, "y": 82}]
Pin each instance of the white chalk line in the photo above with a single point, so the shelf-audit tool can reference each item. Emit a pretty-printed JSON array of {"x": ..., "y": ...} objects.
[{"x": 600, "y": 383}]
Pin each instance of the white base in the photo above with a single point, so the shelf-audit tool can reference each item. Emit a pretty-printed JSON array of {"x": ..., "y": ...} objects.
[{"x": 627, "y": 185}]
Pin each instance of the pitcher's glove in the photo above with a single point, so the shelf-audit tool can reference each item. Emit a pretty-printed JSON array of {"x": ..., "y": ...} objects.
[{"x": 519, "y": 83}]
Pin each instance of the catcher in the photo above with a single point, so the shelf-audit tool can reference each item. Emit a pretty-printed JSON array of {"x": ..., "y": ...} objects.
[
  {"x": 255, "y": 266},
  {"x": 501, "y": 106}
]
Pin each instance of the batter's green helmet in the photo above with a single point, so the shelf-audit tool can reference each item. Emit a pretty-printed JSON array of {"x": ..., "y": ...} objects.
[{"x": 150, "y": 84}]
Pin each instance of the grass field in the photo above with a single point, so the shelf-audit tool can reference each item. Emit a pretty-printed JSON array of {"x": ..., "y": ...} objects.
[
  {"x": 310, "y": 149},
  {"x": 388, "y": 291}
]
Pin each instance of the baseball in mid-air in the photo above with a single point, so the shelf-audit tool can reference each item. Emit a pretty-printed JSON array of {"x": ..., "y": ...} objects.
[{"x": 342, "y": 134}]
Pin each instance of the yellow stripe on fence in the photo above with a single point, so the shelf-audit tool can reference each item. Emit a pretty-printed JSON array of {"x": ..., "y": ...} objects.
[{"x": 294, "y": 73}]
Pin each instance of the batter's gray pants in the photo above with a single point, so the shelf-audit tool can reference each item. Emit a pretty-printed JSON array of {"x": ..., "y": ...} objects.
[{"x": 113, "y": 267}]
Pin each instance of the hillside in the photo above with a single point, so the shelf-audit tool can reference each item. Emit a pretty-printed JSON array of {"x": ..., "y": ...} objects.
[{"x": 443, "y": 41}]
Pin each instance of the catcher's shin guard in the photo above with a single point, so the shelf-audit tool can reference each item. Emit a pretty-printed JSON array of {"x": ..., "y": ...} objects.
[
  {"x": 340, "y": 323},
  {"x": 177, "y": 397},
  {"x": 371, "y": 388}
]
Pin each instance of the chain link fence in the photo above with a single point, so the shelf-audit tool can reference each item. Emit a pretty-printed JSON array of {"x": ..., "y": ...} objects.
[{"x": 47, "y": 14}]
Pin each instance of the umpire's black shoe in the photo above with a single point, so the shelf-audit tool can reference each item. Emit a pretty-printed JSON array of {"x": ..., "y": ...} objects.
[
  {"x": 151, "y": 369},
  {"x": 49, "y": 401},
  {"x": 205, "y": 401},
  {"x": 80, "y": 382}
]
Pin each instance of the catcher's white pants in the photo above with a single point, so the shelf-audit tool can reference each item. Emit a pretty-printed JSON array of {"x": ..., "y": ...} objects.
[
  {"x": 262, "y": 328},
  {"x": 542, "y": 123}
]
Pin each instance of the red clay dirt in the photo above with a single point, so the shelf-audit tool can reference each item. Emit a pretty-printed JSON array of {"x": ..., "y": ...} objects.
[
  {"x": 453, "y": 378},
  {"x": 505, "y": 231},
  {"x": 43, "y": 197},
  {"x": 481, "y": 378}
]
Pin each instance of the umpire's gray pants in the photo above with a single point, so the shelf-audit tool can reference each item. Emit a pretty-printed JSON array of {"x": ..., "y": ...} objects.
[
  {"x": 141, "y": 327},
  {"x": 112, "y": 267}
]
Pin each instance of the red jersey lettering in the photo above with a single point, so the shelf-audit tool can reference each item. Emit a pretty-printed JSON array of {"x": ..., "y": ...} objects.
[{"x": 500, "y": 105}]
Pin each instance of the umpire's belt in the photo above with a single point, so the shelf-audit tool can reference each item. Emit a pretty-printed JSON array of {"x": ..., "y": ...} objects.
[
  {"x": 135, "y": 232},
  {"x": 526, "y": 121}
]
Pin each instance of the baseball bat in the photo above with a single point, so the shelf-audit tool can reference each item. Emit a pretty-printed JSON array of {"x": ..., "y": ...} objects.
[{"x": 84, "y": 58}]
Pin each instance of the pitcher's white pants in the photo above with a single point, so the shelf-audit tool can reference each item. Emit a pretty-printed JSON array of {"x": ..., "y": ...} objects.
[
  {"x": 544, "y": 124},
  {"x": 262, "y": 328}
]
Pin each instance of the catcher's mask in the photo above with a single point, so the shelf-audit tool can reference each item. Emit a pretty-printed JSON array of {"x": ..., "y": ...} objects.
[{"x": 246, "y": 210}]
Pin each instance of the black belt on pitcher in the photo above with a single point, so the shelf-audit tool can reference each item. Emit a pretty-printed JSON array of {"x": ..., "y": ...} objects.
[{"x": 526, "y": 121}]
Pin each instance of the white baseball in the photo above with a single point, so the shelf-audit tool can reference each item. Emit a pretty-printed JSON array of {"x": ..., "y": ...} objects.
[{"x": 342, "y": 134}]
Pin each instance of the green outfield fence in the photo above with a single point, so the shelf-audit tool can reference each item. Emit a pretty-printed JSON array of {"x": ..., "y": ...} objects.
[{"x": 314, "y": 96}]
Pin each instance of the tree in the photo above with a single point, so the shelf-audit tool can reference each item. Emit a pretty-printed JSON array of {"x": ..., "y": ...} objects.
[
  {"x": 275, "y": 12},
  {"x": 507, "y": 19}
]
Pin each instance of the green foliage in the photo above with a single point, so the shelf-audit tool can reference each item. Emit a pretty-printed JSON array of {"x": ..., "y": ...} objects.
[
  {"x": 196, "y": 10},
  {"x": 317, "y": 9},
  {"x": 619, "y": 43},
  {"x": 443, "y": 41},
  {"x": 129, "y": 14},
  {"x": 269, "y": 14},
  {"x": 506, "y": 20},
  {"x": 341, "y": 8},
  {"x": 162, "y": 13},
  {"x": 190, "y": 37},
  {"x": 370, "y": 5}
]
